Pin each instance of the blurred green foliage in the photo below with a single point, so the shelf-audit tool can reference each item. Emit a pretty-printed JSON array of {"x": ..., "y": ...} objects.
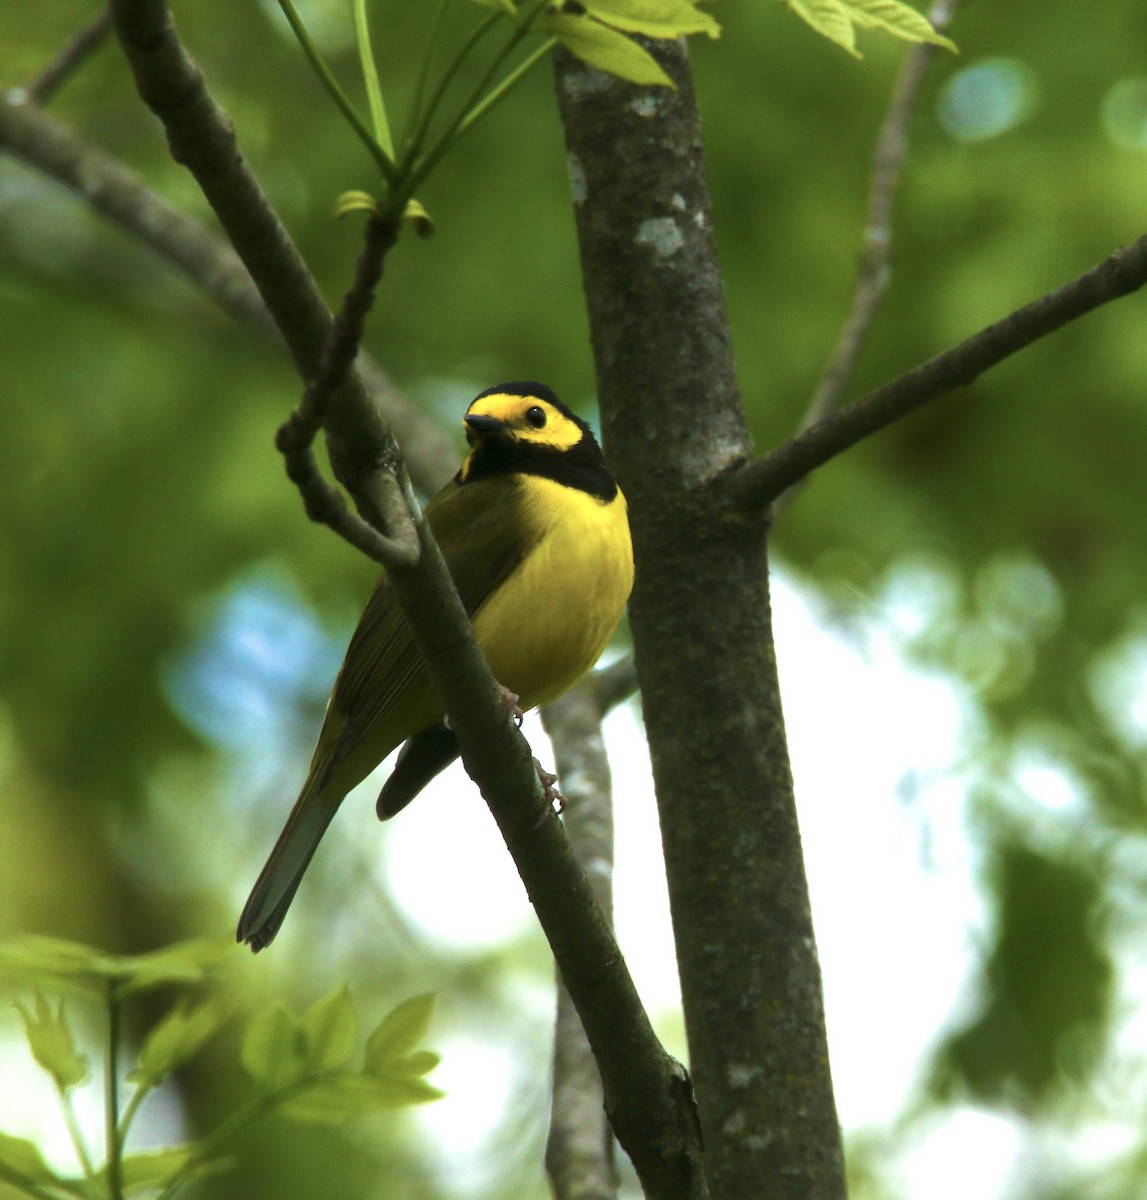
[
  {"x": 143, "y": 496},
  {"x": 296, "y": 1063}
]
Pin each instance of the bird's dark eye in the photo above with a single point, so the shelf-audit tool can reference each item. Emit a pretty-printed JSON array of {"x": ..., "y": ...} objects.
[{"x": 536, "y": 416}]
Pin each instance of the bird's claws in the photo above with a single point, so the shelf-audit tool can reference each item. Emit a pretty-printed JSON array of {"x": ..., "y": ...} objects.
[
  {"x": 510, "y": 700},
  {"x": 555, "y": 801}
]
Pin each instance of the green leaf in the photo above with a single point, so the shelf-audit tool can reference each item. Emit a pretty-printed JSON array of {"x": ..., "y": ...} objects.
[
  {"x": 898, "y": 19},
  {"x": 54, "y": 961},
  {"x": 182, "y": 963},
  {"x": 22, "y": 1156},
  {"x": 52, "y": 1044},
  {"x": 507, "y": 6},
  {"x": 606, "y": 49},
  {"x": 176, "y": 1039},
  {"x": 75, "y": 967},
  {"x": 155, "y": 1170},
  {"x": 398, "y": 1033},
  {"x": 328, "y": 1028},
  {"x": 830, "y": 19},
  {"x": 837, "y": 21},
  {"x": 421, "y": 1062},
  {"x": 331, "y": 1100},
  {"x": 654, "y": 18},
  {"x": 354, "y": 201},
  {"x": 274, "y": 1049}
]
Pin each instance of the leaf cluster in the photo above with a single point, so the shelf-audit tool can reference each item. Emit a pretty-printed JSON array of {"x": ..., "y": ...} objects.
[{"x": 297, "y": 1063}]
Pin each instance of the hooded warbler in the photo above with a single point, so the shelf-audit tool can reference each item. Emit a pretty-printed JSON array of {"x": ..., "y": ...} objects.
[{"x": 536, "y": 536}]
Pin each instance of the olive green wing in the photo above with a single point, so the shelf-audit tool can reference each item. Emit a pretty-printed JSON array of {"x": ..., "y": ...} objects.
[{"x": 483, "y": 539}]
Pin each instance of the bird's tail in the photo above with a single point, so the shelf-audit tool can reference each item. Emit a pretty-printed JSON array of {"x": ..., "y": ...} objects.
[{"x": 280, "y": 878}]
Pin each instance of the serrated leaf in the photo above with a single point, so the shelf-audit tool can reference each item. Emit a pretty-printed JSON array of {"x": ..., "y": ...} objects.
[
  {"x": 898, "y": 19},
  {"x": 398, "y": 1033},
  {"x": 329, "y": 1027},
  {"x": 274, "y": 1049},
  {"x": 22, "y": 1156},
  {"x": 177, "y": 1039},
  {"x": 605, "y": 48},
  {"x": 332, "y": 1100},
  {"x": 830, "y": 19},
  {"x": 52, "y": 1044},
  {"x": 654, "y": 18}
]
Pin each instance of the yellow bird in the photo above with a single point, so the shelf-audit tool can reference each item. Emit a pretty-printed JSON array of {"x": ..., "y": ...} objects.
[{"x": 536, "y": 535}]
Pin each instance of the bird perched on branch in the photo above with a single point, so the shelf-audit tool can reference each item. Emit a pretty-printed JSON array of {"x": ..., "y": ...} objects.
[{"x": 536, "y": 536}]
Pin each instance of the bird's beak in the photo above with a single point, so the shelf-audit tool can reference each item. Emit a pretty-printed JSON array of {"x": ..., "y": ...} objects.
[{"x": 480, "y": 426}]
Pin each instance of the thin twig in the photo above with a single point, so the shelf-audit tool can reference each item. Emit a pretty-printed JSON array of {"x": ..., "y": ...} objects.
[
  {"x": 294, "y": 440},
  {"x": 874, "y": 268},
  {"x": 48, "y": 81},
  {"x": 762, "y": 480}
]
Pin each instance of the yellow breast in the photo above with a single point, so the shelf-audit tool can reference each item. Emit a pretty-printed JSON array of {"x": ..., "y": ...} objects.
[{"x": 549, "y": 622}]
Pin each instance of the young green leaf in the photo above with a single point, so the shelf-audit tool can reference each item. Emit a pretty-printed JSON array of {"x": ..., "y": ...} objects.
[
  {"x": 837, "y": 21},
  {"x": 830, "y": 19},
  {"x": 176, "y": 1039},
  {"x": 328, "y": 1028},
  {"x": 898, "y": 19},
  {"x": 22, "y": 1156},
  {"x": 182, "y": 963},
  {"x": 605, "y": 48},
  {"x": 332, "y": 1100},
  {"x": 274, "y": 1049},
  {"x": 61, "y": 964},
  {"x": 399, "y": 1032},
  {"x": 52, "y": 1044},
  {"x": 654, "y": 18}
]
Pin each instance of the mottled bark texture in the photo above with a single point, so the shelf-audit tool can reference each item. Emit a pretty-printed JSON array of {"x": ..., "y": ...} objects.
[{"x": 674, "y": 431}]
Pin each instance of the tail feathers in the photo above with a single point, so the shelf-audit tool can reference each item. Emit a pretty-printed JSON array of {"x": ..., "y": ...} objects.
[{"x": 280, "y": 878}]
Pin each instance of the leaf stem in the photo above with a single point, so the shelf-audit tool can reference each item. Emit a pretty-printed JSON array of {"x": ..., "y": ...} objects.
[
  {"x": 75, "y": 1133},
  {"x": 385, "y": 163},
  {"x": 421, "y": 126},
  {"x": 370, "y": 79},
  {"x": 424, "y": 70},
  {"x": 111, "y": 1094},
  {"x": 477, "y": 104}
]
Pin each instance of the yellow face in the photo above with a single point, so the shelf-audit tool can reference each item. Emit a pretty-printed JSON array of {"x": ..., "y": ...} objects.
[{"x": 528, "y": 419}]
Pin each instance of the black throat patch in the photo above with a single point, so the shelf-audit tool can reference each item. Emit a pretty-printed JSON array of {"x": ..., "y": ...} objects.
[{"x": 581, "y": 466}]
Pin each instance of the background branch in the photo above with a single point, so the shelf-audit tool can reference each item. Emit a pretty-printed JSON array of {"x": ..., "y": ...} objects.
[
  {"x": 46, "y": 82},
  {"x": 762, "y": 480},
  {"x": 579, "y": 1149}
]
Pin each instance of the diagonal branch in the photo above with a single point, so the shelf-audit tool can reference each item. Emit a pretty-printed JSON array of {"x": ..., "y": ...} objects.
[
  {"x": 648, "y": 1097},
  {"x": 762, "y": 480},
  {"x": 398, "y": 546}
]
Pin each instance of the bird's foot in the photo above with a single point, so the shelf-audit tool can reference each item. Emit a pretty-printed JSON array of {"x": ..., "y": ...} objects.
[
  {"x": 555, "y": 801},
  {"x": 510, "y": 700}
]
